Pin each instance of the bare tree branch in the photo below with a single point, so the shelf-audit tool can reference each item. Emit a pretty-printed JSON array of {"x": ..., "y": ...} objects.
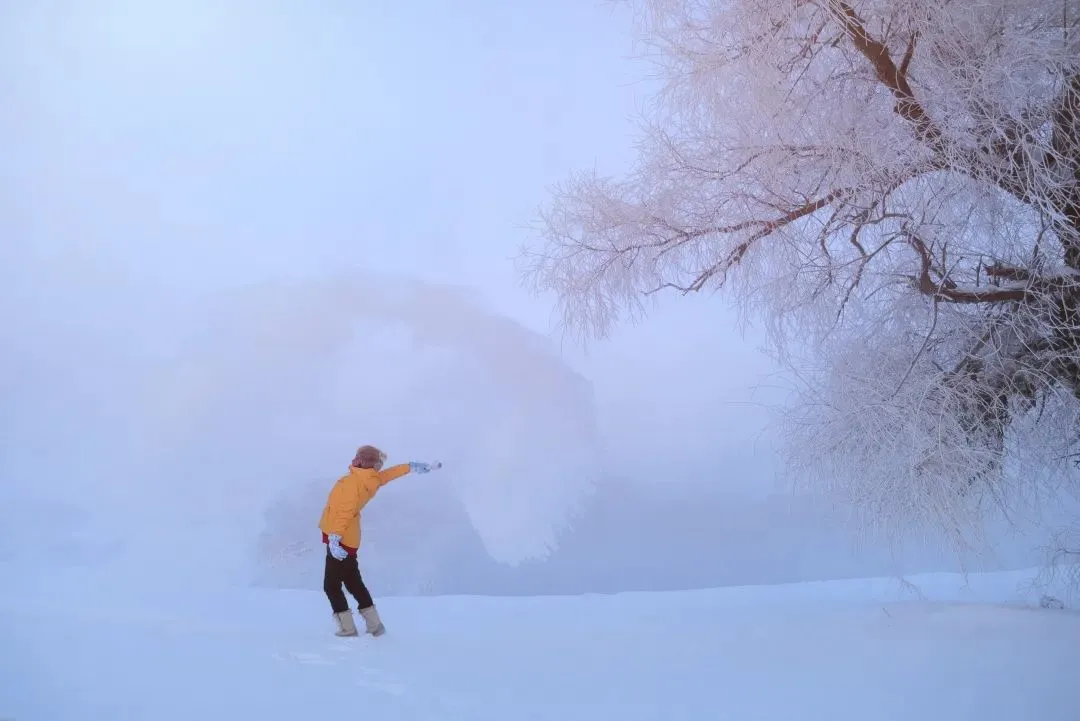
[{"x": 893, "y": 190}]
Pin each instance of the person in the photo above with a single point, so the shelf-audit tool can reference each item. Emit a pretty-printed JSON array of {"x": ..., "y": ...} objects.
[{"x": 340, "y": 526}]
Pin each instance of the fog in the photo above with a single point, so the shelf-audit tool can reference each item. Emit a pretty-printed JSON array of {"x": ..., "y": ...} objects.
[{"x": 241, "y": 239}]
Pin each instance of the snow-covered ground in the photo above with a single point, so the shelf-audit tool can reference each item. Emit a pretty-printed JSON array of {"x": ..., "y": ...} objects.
[{"x": 79, "y": 645}]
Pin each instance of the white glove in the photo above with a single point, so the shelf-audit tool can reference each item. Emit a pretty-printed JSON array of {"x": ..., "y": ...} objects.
[
  {"x": 417, "y": 467},
  {"x": 335, "y": 547}
]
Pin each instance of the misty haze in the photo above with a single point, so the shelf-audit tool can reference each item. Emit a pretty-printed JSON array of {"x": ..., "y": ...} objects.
[{"x": 688, "y": 330}]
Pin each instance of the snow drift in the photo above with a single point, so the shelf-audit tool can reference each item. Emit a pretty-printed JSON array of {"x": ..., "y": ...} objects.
[{"x": 969, "y": 650}]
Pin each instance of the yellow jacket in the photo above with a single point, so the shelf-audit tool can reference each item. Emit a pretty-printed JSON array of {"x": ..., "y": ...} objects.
[{"x": 349, "y": 496}]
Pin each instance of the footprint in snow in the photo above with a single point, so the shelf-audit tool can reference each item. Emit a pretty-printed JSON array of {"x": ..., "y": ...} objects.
[
  {"x": 302, "y": 657},
  {"x": 363, "y": 676}
]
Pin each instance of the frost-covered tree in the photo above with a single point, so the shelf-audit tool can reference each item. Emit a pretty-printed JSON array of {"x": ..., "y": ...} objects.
[{"x": 893, "y": 188}]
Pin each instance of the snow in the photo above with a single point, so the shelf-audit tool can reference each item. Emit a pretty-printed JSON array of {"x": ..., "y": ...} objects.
[{"x": 81, "y": 644}]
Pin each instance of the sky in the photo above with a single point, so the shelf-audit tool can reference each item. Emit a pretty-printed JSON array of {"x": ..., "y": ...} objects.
[
  {"x": 250, "y": 139},
  {"x": 241, "y": 238}
]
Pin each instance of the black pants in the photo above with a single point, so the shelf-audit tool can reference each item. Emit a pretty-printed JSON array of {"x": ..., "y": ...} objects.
[{"x": 344, "y": 573}]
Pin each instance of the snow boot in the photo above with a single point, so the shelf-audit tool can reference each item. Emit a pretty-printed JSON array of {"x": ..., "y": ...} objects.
[
  {"x": 374, "y": 623},
  {"x": 345, "y": 624}
]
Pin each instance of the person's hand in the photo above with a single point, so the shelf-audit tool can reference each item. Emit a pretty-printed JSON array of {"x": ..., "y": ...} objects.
[
  {"x": 334, "y": 545},
  {"x": 418, "y": 467}
]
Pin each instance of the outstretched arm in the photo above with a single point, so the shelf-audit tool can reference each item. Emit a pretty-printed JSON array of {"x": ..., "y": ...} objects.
[
  {"x": 402, "y": 468},
  {"x": 393, "y": 472}
]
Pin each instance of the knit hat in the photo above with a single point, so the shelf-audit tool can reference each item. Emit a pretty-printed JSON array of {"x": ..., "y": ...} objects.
[{"x": 369, "y": 457}]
